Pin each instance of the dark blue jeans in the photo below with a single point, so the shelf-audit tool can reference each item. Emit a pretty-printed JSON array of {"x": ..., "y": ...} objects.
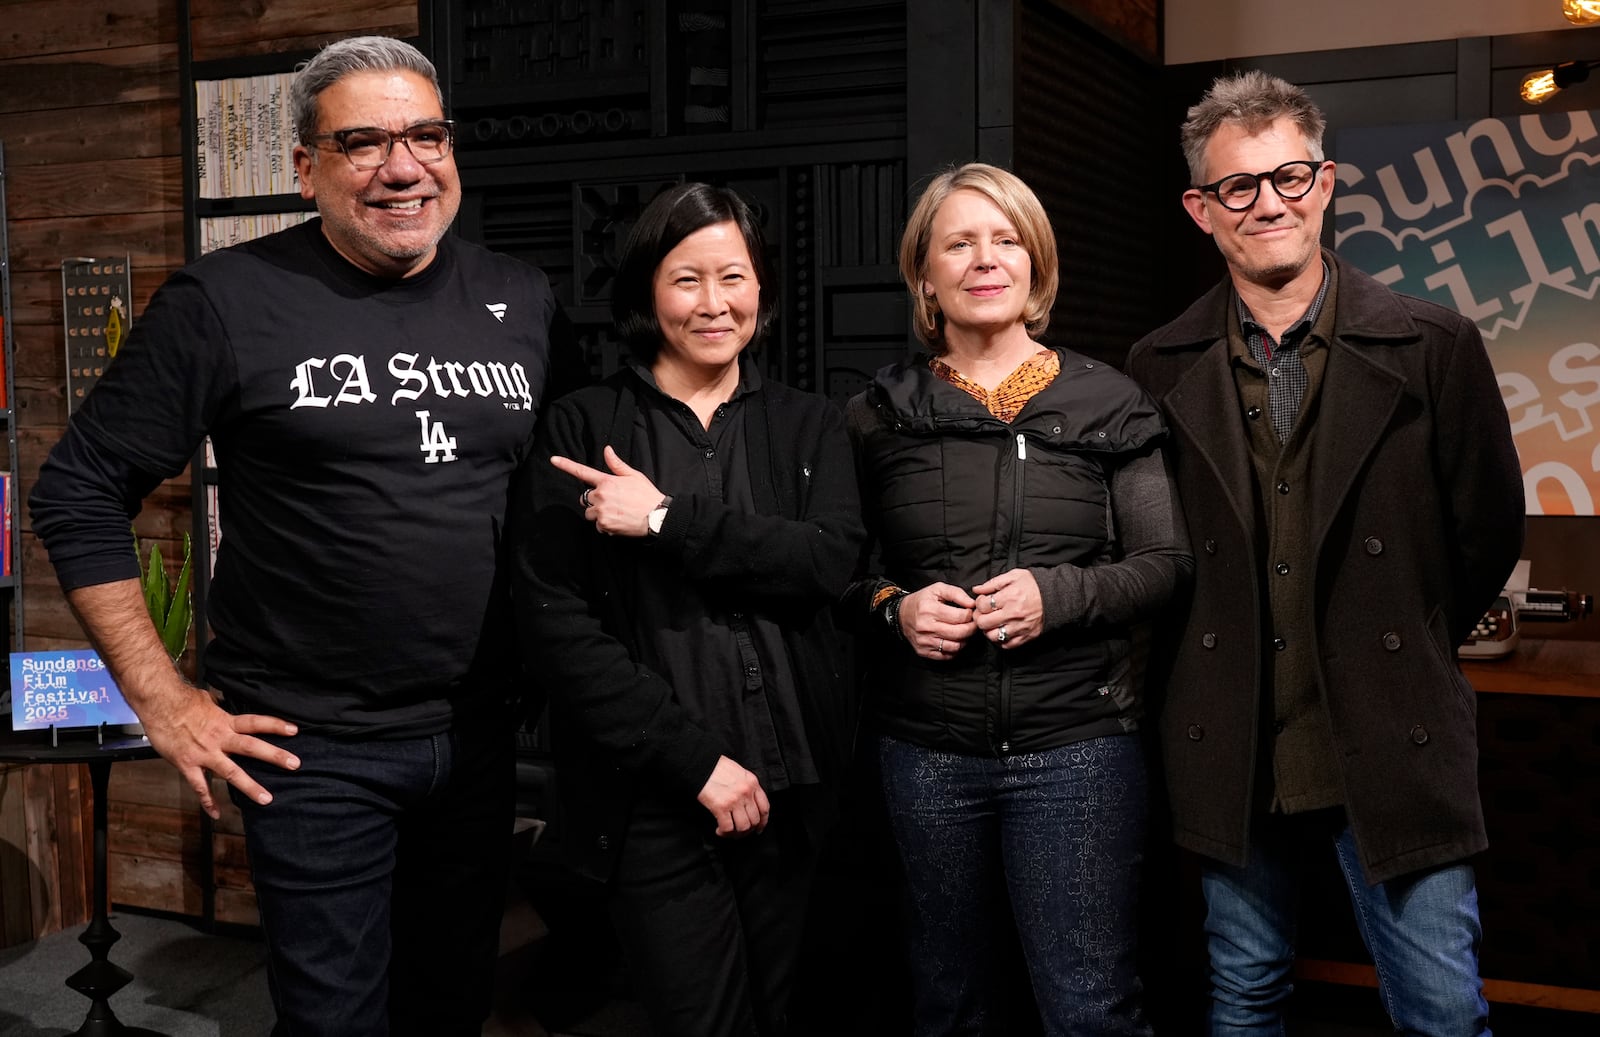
[
  {"x": 380, "y": 868},
  {"x": 1421, "y": 929},
  {"x": 1061, "y": 833}
]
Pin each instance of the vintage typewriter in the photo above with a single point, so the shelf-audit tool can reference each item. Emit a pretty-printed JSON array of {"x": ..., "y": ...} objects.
[
  {"x": 1495, "y": 635},
  {"x": 1551, "y": 606}
]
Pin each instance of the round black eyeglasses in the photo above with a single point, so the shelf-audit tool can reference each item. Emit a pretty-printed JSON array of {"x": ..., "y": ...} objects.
[{"x": 1237, "y": 191}]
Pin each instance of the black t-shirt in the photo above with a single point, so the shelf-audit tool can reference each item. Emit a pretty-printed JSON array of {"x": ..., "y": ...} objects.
[{"x": 365, "y": 432}]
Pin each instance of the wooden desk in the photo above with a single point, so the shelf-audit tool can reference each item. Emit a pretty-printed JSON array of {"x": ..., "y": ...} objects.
[{"x": 1569, "y": 668}]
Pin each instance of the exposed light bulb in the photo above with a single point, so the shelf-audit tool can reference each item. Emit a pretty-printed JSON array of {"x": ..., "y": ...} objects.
[
  {"x": 1581, "y": 12},
  {"x": 1538, "y": 86}
]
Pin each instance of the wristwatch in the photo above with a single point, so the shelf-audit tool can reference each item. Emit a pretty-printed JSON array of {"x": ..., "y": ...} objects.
[{"x": 658, "y": 515}]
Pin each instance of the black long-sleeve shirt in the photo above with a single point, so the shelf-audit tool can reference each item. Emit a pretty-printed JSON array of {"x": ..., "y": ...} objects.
[
  {"x": 587, "y": 607},
  {"x": 724, "y": 656},
  {"x": 366, "y": 430}
]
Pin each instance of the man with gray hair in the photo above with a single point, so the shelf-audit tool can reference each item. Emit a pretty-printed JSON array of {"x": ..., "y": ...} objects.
[
  {"x": 1355, "y": 502},
  {"x": 369, "y": 382}
]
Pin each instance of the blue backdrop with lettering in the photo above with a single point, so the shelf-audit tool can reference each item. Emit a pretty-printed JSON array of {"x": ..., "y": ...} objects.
[
  {"x": 64, "y": 689},
  {"x": 1498, "y": 219}
]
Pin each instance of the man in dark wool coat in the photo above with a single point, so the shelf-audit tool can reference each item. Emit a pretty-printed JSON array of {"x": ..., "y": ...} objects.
[{"x": 1355, "y": 502}]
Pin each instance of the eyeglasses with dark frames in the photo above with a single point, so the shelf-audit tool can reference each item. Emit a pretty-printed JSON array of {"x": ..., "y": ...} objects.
[
  {"x": 1237, "y": 191},
  {"x": 369, "y": 147}
]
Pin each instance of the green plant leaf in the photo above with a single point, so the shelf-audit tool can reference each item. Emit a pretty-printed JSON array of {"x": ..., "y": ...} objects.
[
  {"x": 171, "y": 608},
  {"x": 157, "y": 590},
  {"x": 180, "y": 612}
]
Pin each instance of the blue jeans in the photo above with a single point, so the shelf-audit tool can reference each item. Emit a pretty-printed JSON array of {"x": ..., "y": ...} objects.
[
  {"x": 1061, "y": 833},
  {"x": 1422, "y": 931},
  {"x": 380, "y": 869}
]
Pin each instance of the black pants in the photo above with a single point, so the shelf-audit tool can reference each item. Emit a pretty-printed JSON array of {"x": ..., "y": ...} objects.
[
  {"x": 711, "y": 926},
  {"x": 380, "y": 869}
]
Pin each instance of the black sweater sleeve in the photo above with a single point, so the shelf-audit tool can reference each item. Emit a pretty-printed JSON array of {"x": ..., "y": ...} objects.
[
  {"x": 81, "y": 508},
  {"x": 140, "y": 425},
  {"x": 1154, "y": 560}
]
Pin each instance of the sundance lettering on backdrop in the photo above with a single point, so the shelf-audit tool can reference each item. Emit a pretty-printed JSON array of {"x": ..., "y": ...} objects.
[{"x": 1498, "y": 219}]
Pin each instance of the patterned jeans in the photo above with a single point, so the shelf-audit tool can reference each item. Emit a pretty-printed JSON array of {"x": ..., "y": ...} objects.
[{"x": 1061, "y": 834}]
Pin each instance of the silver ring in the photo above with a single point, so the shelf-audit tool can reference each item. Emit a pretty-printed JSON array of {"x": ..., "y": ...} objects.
[
  {"x": 940, "y": 646},
  {"x": 1000, "y": 638},
  {"x": 994, "y": 606},
  {"x": 583, "y": 498}
]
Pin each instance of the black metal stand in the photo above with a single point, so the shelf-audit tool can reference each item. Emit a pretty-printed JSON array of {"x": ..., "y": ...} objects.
[{"x": 99, "y": 979}]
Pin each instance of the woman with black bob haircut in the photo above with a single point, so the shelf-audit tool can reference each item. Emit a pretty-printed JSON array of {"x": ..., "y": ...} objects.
[
  {"x": 679, "y": 534},
  {"x": 660, "y": 229}
]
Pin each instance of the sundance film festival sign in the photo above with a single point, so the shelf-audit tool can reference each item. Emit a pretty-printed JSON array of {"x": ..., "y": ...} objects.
[{"x": 1498, "y": 219}]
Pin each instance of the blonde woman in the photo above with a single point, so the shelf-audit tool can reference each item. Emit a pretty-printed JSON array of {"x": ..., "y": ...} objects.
[{"x": 1025, "y": 518}]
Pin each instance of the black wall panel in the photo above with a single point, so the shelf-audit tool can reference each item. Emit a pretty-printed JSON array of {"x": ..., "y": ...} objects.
[
  {"x": 1084, "y": 142},
  {"x": 576, "y": 112}
]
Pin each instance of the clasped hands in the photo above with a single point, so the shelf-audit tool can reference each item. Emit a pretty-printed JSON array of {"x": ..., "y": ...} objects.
[
  {"x": 618, "y": 502},
  {"x": 940, "y": 619}
]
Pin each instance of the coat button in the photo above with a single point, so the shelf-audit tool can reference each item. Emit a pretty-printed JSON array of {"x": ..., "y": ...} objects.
[
  {"x": 1373, "y": 545},
  {"x": 1282, "y": 568},
  {"x": 1283, "y": 487},
  {"x": 1196, "y": 732},
  {"x": 1253, "y": 413},
  {"x": 1419, "y": 735},
  {"x": 1279, "y": 644},
  {"x": 1391, "y": 641},
  {"x": 1209, "y": 640},
  {"x": 602, "y": 842},
  {"x": 1211, "y": 547}
]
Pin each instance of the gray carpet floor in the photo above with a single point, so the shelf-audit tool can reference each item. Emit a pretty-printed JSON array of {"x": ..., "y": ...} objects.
[
  {"x": 186, "y": 983},
  {"x": 190, "y": 983}
]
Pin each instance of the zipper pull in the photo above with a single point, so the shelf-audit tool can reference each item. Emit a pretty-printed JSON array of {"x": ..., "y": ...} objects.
[{"x": 1022, "y": 448}]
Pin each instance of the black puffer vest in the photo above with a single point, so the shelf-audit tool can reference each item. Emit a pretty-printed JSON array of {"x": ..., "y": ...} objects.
[{"x": 958, "y": 496}]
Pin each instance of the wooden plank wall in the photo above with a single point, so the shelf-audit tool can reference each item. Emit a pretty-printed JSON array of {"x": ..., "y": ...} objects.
[{"x": 89, "y": 115}]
